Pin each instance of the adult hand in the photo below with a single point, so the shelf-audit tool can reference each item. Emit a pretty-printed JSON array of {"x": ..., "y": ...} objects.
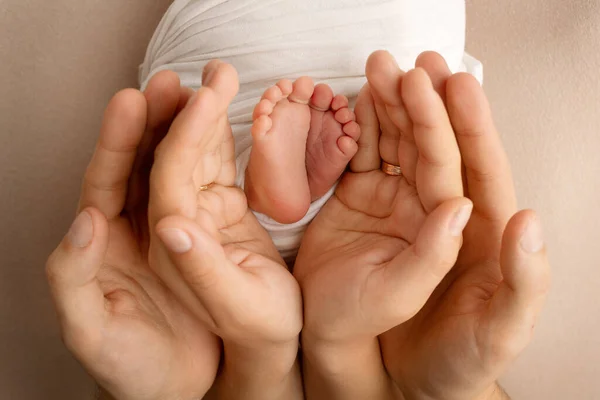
[
  {"x": 483, "y": 314},
  {"x": 127, "y": 329},
  {"x": 382, "y": 244},
  {"x": 210, "y": 250}
]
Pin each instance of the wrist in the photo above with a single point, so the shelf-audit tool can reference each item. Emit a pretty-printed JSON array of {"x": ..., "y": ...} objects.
[
  {"x": 334, "y": 357},
  {"x": 345, "y": 370},
  {"x": 265, "y": 372},
  {"x": 494, "y": 392},
  {"x": 274, "y": 359}
]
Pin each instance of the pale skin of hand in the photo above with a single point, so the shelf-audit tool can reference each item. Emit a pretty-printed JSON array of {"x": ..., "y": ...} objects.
[
  {"x": 473, "y": 313},
  {"x": 117, "y": 317},
  {"x": 380, "y": 246},
  {"x": 210, "y": 250},
  {"x": 147, "y": 345},
  {"x": 483, "y": 313}
]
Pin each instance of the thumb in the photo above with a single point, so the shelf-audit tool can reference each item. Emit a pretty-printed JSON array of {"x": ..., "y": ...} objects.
[
  {"x": 518, "y": 301},
  {"x": 71, "y": 271},
  {"x": 216, "y": 283},
  {"x": 412, "y": 276}
]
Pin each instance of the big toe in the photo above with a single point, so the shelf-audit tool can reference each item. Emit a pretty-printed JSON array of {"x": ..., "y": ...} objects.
[
  {"x": 303, "y": 89},
  {"x": 322, "y": 97}
]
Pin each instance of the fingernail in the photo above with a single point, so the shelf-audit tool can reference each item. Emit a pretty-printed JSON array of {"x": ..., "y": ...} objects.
[
  {"x": 176, "y": 240},
  {"x": 82, "y": 231},
  {"x": 532, "y": 240},
  {"x": 460, "y": 220}
]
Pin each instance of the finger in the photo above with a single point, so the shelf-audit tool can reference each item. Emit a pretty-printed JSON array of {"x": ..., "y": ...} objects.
[
  {"x": 437, "y": 69},
  {"x": 209, "y": 275},
  {"x": 197, "y": 127},
  {"x": 106, "y": 179},
  {"x": 489, "y": 181},
  {"x": 222, "y": 78},
  {"x": 192, "y": 154},
  {"x": 403, "y": 286},
  {"x": 396, "y": 143},
  {"x": 367, "y": 157},
  {"x": 439, "y": 175},
  {"x": 185, "y": 94},
  {"x": 228, "y": 171},
  {"x": 511, "y": 317},
  {"x": 162, "y": 98},
  {"x": 163, "y": 95},
  {"x": 391, "y": 136},
  {"x": 71, "y": 270}
]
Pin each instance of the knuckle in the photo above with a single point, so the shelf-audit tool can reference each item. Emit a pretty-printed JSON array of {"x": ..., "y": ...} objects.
[
  {"x": 108, "y": 186},
  {"x": 543, "y": 284},
  {"x": 507, "y": 348},
  {"x": 479, "y": 175},
  {"x": 435, "y": 160},
  {"x": 79, "y": 341},
  {"x": 470, "y": 132},
  {"x": 53, "y": 275},
  {"x": 201, "y": 279}
]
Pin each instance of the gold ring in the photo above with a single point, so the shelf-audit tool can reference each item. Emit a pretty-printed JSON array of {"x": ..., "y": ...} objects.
[
  {"x": 390, "y": 169},
  {"x": 205, "y": 187}
]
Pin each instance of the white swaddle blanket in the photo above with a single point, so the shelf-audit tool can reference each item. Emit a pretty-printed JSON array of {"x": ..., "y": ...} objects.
[{"x": 328, "y": 40}]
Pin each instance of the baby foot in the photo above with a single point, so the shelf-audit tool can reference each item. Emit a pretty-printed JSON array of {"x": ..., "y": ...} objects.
[
  {"x": 331, "y": 141},
  {"x": 276, "y": 177}
]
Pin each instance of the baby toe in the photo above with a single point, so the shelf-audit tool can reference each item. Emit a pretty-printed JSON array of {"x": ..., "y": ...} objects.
[
  {"x": 339, "y": 102},
  {"x": 261, "y": 126},
  {"x": 348, "y": 147},
  {"x": 344, "y": 116},
  {"x": 273, "y": 94},
  {"x": 352, "y": 129},
  {"x": 286, "y": 86},
  {"x": 264, "y": 107}
]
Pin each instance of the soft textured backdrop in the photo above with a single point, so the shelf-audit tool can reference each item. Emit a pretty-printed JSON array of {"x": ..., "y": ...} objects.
[{"x": 60, "y": 62}]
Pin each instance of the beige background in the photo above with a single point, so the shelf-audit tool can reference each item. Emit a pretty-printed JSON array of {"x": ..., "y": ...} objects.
[{"x": 60, "y": 62}]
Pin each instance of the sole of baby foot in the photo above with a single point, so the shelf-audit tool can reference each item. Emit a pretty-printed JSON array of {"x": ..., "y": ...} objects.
[
  {"x": 276, "y": 177},
  {"x": 332, "y": 140}
]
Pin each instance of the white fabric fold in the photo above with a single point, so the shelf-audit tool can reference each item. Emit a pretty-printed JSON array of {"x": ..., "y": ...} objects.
[{"x": 328, "y": 40}]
